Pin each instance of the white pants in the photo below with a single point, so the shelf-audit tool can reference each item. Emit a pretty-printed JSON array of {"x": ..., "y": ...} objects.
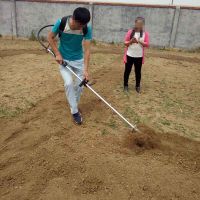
[{"x": 72, "y": 89}]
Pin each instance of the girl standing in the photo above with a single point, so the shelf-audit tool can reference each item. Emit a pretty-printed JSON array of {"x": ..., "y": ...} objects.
[{"x": 135, "y": 41}]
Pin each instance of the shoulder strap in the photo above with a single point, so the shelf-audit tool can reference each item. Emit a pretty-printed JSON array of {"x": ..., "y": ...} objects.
[
  {"x": 62, "y": 25},
  {"x": 141, "y": 33},
  {"x": 132, "y": 34},
  {"x": 85, "y": 30}
]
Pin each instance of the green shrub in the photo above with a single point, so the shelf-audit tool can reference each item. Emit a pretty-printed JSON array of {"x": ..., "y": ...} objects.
[
  {"x": 33, "y": 36},
  {"x": 94, "y": 42}
]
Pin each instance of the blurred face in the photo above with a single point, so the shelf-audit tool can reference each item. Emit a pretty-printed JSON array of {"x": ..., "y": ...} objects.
[
  {"x": 139, "y": 24},
  {"x": 75, "y": 25}
]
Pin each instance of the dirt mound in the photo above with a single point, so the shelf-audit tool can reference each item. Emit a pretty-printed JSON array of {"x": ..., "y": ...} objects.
[{"x": 146, "y": 140}]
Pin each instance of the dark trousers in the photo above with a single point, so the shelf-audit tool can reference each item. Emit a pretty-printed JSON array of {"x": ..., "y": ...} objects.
[{"x": 128, "y": 67}]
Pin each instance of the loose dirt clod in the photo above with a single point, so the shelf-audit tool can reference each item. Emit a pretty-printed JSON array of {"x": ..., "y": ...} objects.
[
  {"x": 144, "y": 141},
  {"x": 147, "y": 139}
]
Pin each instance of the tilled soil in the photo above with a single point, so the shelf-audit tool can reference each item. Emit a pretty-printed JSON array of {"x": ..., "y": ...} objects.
[{"x": 44, "y": 155}]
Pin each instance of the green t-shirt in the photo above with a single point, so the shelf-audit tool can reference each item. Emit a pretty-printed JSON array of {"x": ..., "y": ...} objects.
[{"x": 70, "y": 45}]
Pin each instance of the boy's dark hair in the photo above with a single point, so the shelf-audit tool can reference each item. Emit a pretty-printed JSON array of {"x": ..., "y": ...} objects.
[{"x": 82, "y": 15}]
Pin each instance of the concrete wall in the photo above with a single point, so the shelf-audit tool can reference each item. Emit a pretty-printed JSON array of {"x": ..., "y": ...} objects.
[
  {"x": 168, "y": 26},
  {"x": 5, "y": 18},
  {"x": 188, "y": 30},
  {"x": 112, "y": 22},
  {"x": 40, "y": 14}
]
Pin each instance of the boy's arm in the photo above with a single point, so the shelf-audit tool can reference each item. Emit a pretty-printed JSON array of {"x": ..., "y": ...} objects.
[
  {"x": 86, "y": 45},
  {"x": 53, "y": 44},
  {"x": 52, "y": 41}
]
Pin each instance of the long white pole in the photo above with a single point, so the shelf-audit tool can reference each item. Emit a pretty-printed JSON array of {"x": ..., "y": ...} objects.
[{"x": 100, "y": 97}]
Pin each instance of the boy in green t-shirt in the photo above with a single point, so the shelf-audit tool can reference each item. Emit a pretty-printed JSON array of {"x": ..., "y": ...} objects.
[{"x": 73, "y": 35}]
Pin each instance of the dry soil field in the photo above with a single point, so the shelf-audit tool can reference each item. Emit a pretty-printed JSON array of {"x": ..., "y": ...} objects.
[{"x": 45, "y": 156}]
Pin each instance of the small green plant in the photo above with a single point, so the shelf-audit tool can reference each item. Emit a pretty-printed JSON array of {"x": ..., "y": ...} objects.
[
  {"x": 33, "y": 36},
  {"x": 164, "y": 48},
  {"x": 132, "y": 115},
  {"x": 94, "y": 42},
  {"x": 112, "y": 124},
  {"x": 42, "y": 38},
  {"x": 197, "y": 49},
  {"x": 6, "y": 112},
  {"x": 3, "y": 112},
  {"x": 30, "y": 103},
  {"x": 104, "y": 132},
  {"x": 165, "y": 122},
  {"x": 0, "y": 35}
]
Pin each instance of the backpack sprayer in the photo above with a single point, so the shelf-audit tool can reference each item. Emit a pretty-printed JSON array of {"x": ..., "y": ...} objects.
[{"x": 84, "y": 82}]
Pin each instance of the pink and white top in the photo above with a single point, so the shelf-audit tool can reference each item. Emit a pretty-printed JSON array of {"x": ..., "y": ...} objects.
[{"x": 136, "y": 50}]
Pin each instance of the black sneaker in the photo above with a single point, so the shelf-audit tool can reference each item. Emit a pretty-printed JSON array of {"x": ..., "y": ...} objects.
[
  {"x": 125, "y": 88},
  {"x": 77, "y": 118},
  {"x": 137, "y": 89}
]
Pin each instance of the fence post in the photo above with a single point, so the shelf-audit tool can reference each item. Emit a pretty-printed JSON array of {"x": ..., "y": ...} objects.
[
  {"x": 13, "y": 18},
  {"x": 174, "y": 26},
  {"x": 91, "y": 8}
]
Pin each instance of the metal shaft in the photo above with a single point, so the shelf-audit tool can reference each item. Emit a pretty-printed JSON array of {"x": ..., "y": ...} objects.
[{"x": 100, "y": 97}]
